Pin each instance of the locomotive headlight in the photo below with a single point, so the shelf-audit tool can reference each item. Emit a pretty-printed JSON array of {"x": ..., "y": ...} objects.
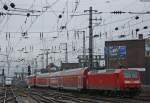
[
  {"x": 136, "y": 81},
  {"x": 129, "y": 82}
]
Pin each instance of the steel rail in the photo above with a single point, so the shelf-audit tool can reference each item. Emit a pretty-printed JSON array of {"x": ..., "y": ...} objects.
[
  {"x": 63, "y": 97},
  {"x": 5, "y": 95}
]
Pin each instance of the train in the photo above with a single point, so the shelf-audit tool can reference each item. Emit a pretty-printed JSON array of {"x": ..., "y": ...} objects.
[
  {"x": 8, "y": 81},
  {"x": 112, "y": 81}
]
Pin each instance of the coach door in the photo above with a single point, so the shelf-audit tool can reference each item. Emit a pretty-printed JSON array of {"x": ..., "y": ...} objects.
[{"x": 80, "y": 82}]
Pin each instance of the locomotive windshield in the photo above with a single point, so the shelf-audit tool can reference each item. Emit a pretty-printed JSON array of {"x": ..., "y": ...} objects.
[{"x": 130, "y": 74}]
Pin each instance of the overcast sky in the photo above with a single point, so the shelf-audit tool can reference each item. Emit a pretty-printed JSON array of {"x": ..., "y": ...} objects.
[{"x": 48, "y": 22}]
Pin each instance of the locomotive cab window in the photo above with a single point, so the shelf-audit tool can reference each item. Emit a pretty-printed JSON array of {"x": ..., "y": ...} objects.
[{"x": 130, "y": 74}]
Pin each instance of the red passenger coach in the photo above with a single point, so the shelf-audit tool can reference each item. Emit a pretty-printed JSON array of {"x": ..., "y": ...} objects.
[
  {"x": 74, "y": 79},
  {"x": 31, "y": 80},
  {"x": 42, "y": 80},
  {"x": 54, "y": 81}
]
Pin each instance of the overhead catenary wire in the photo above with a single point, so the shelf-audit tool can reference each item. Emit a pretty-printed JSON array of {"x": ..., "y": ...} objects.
[
  {"x": 34, "y": 21},
  {"x": 62, "y": 31}
]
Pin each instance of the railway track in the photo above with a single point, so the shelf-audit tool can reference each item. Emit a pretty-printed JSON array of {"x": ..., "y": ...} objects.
[
  {"x": 54, "y": 96},
  {"x": 8, "y": 95},
  {"x": 58, "y": 97},
  {"x": 44, "y": 99},
  {"x": 143, "y": 98}
]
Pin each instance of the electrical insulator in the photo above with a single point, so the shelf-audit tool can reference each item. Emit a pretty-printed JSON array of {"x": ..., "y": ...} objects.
[
  {"x": 24, "y": 34},
  {"x": 137, "y": 30},
  {"x": 117, "y": 12},
  {"x": 12, "y": 5},
  {"x": 145, "y": 27},
  {"x": 60, "y": 16},
  {"x": 28, "y": 14},
  {"x": 137, "y": 17},
  {"x": 95, "y": 36},
  {"x": 63, "y": 27},
  {"x": 5, "y": 7},
  {"x": 116, "y": 28}
]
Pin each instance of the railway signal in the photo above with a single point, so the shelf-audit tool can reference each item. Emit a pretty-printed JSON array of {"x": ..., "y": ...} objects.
[{"x": 29, "y": 70}]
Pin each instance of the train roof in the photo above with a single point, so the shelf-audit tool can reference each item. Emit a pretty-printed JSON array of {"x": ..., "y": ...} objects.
[
  {"x": 102, "y": 71},
  {"x": 55, "y": 73},
  {"x": 108, "y": 71},
  {"x": 138, "y": 69},
  {"x": 43, "y": 75},
  {"x": 119, "y": 70},
  {"x": 77, "y": 71}
]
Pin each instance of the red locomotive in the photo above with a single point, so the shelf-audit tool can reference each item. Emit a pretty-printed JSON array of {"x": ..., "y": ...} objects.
[{"x": 116, "y": 81}]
